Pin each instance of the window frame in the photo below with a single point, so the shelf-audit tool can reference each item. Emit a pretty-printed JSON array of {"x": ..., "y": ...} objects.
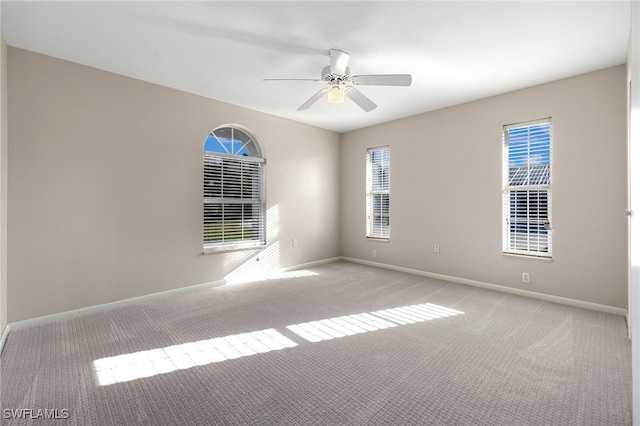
[
  {"x": 248, "y": 188},
  {"x": 534, "y": 195},
  {"x": 371, "y": 232}
]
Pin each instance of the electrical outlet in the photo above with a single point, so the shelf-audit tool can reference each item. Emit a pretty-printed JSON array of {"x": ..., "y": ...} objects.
[
  {"x": 436, "y": 248},
  {"x": 526, "y": 277},
  {"x": 294, "y": 242},
  {"x": 375, "y": 253}
]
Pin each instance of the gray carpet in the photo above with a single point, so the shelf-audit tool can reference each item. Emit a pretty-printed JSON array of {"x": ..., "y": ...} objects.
[{"x": 336, "y": 344}]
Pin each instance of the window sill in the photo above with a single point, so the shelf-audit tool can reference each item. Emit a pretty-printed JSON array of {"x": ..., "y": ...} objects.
[
  {"x": 232, "y": 248},
  {"x": 384, "y": 240},
  {"x": 528, "y": 257}
]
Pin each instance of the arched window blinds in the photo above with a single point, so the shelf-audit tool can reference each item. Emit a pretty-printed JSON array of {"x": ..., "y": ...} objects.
[{"x": 234, "y": 191}]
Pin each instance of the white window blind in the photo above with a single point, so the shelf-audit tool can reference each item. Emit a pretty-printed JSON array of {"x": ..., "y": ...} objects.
[
  {"x": 234, "y": 192},
  {"x": 377, "y": 195},
  {"x": 527, "y": 188}
]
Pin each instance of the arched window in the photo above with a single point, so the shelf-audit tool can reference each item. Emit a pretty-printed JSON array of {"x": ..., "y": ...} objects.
[{"x": 234, "y": 190}]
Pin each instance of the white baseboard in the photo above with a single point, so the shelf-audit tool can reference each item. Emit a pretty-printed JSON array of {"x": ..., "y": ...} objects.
[
  {"x": 496, "y": 287},
  {"x": 311, "y": 264},
  {"x": 20, "y": 325},
  {"x": 46, "y": 319},
  {"x": 3, "y": 338}
]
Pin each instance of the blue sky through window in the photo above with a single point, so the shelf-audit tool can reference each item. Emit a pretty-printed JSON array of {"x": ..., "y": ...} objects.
[
  {"x": 530, "y": 146},
  {"x": 226, "y": 146}
]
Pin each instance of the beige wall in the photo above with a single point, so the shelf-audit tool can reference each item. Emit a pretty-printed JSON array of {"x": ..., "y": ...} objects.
[
  {"x": 446, "y": 190},
  {"x": 105, "y": 188},
  {"x": 3, "y": 183}
]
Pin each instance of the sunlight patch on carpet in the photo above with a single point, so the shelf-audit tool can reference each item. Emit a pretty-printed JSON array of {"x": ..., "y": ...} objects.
[
  {"x": 137, "y": 365},
  {"x": 268, "y": 276},
  {"x": 327, "y": 329}
]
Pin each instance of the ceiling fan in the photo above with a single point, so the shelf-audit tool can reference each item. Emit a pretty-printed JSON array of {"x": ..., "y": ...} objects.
[{"x": 341, "y": 83}]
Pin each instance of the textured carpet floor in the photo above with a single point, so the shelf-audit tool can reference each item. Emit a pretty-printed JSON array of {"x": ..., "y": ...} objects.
[{"x": 293, "y": 351}]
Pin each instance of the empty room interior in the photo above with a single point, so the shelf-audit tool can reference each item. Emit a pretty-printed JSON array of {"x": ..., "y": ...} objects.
[{"x": 315, "y": 213}]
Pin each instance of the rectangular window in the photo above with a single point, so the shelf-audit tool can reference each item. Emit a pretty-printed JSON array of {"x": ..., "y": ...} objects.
[
  {"x": 526, "y": 202},
  {"x": 378, "y": 193},
  {"x": 233, "y": 202}
]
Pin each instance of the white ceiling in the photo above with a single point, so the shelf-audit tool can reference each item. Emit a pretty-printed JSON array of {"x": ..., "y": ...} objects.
[{"x": 455, "y": 51}]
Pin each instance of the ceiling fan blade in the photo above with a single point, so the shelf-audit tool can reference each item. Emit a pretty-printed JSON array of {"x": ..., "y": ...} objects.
[
  {"x": 382, "y": 80},
  {"x": 360, "y": 99},
  {"x": 312, "y": 100},
  {"x": 291, "y": 79},
  {"x": 339, "y": 61}
]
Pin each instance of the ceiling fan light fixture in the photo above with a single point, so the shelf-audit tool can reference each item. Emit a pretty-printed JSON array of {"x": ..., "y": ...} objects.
[
  {"x": 336, "y": 94},
  {"x": 337, "y": 75}
]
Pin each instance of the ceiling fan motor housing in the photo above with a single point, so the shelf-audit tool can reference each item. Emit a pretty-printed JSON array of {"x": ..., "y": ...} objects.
[{"x": 328, "y": 77}]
